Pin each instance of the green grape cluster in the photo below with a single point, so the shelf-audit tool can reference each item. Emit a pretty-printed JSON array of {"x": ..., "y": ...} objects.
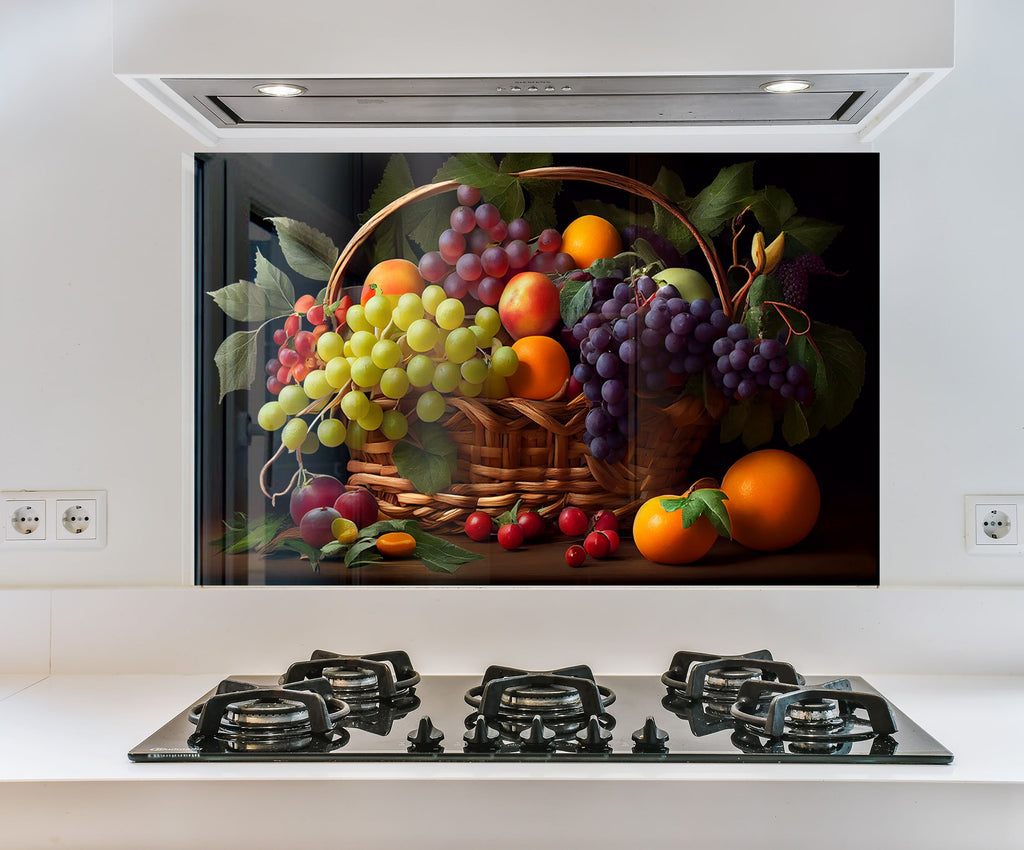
[{"x": 399, "y": 357}]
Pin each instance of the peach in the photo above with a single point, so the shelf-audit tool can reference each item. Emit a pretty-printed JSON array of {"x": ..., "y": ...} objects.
[
  {"x": 529, "y": 305},
  {"x": 395, "y": 278}
]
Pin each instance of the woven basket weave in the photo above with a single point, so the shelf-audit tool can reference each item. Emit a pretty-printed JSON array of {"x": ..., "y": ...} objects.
[{"x": 514, "y": 448}]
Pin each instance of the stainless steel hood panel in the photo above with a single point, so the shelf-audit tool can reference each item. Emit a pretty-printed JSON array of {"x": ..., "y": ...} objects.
[{"x": 446, "y": 102}]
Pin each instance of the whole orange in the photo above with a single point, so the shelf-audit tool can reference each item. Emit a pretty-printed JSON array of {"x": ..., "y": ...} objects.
[
  {"x": 543, "y": 368},
  {"x": 395, "y": 278},
  {"x": 773, "y": 499},
  {"x": 590, "y": 238},
  {"x": 660, "y": 536},
  {"x": 529, "y": 305}
]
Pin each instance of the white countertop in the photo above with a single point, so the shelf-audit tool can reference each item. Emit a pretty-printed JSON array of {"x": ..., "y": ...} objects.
[{"x": 64, "y": 741}]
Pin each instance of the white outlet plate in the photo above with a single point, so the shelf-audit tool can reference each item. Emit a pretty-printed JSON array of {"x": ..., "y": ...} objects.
[
  {"x": 24, "y": 520},
  {"x": 52, "y": 533},
  {"x": 991, "y": 525}
]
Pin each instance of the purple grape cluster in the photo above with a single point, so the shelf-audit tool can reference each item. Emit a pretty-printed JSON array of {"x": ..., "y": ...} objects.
[
  {"x": 637, "y": 336},
  {"x": 744, "y": 366}
]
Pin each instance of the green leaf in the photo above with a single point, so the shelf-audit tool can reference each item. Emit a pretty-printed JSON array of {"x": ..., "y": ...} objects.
[
  {"x": 520, "y": 161},
  {"x": 303, "y": 548},
  {"x": 760, "y": 425},
  {"x": 390, "y": 237},
  {"x": 575, "y": 299},
  {"x": 375, "y": 530},
  {"x": 244, "y": 302},
  {"x": 723, "y": 199},
  {"x": 248, "y": 535},
  {"x": 440, "y": 555},
  {"x": 707, "y": 502},
  {"x": 307, "y": 250},
  {"x": 837, "y": 375},
  {"x": 619, "y": 218},
  {"x": 671, "y": 186},
  {"x": 733, "y": 422},
  {"x": 647, "y": 253},
  {"x": 510, "y": 516},
  {"x": 473, "y": 169},
  {"x": 794, "y": 423},
  {"x": 806, "y": 235},
  {"x": 276, "y": 284},
  {"x": 773, "y": 207},
  {"x": 236, "y": 362},
  {"x": 363, "y": 551},
  {"x": 429, "y": 466},
  {"x": 763, "y": 289}
]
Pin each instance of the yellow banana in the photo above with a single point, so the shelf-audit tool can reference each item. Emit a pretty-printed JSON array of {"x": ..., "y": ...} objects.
[
  {"x": 773, "y": 253},
  {"x": 757, "y": 252}
]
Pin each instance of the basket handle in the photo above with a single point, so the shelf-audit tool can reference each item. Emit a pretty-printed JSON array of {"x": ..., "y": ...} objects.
[{"x": 590, "y": 175}]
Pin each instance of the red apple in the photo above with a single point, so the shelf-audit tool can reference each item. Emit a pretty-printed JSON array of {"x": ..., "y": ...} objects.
[
  {"x": 357, "y": 505},
  {"x": 320, "y": 492},
  {"x": 606, "y": 521},
  {"x": 529, "y": 305},
  {"x": 572, "y": 522},
  {"x": 533, "y": 524}
]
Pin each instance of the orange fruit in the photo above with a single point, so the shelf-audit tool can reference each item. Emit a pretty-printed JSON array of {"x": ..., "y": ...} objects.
[
  {"x": 773, "y": 499},
  {"x": 395, "y": 278},
  {"x": 660, "y": 536},
  {"x": 590, "y": 238},
  {"x": 396, "y": 544},
  {"x": 543, "y": 368}
]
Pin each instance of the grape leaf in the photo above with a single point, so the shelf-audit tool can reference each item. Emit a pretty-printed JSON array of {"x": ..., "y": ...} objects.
[
  {"x": 619, "y": 217},
  {"x": 429, "y": 466},
  {"x": 389, "y": 237},
  {"x": 307, "y": 250},
  {"x": 520, "y": 161},
  {"x": 277, "y": 285},
  {"x": 805, "y": 235},
  {"x": 363, "y": 551},
  {"x": 236, "y": 362},
  {"x": 724, "y": 198},
  {"x": 759, "y": 427},
  {"x": 733, "y": 422},
  {"x": 837, "y": 373},
  {"x": 794, "y": 423},
  {"x": 670, "y": 185},
  {"x": 708, "y": 502},
  {"x": 575, "y": 299},
  {"x": 773, "y": 207},
  {"x": 763, "y": 289},
  {"x": 245, "y": 302}
]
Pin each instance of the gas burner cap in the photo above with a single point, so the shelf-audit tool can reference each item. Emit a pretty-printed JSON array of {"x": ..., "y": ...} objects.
[
  {"x": 550, "y": 699},
  {"x": 268, "y": 714},
  {"x": 729, "y": 680},
  {"x": 700, "y": 676},
  {"x": 346, "y": 680},
  {"x": 814, "y": 715}
]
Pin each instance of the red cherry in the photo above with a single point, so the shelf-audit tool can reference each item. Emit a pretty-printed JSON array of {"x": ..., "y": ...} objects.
[
  {"x": 479, "y": 526},
  {"x": 315, "y": 314},
  {"x": 613, "y": 539},
  {"x": 533, "y": 524},
  {"x": 597, "y": 544},
  {"x": 572, "y": 521},
  {"x": 575, "y": 556},
  {"x": 606, "y": 521},
  {"x": 511, "y": 536},
  {"x": 292, "y": 325}
]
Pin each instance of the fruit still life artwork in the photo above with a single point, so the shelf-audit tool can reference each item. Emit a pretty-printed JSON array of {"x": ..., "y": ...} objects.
[{"x": 525, "y": 368}]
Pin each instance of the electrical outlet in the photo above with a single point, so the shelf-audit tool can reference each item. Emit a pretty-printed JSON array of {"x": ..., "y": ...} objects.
[
  {"x": 76, "y": 519},
  {"x": 54, "y": 519},
  {"x": 24, "y": 520},
  {"x": 991, "y": 525}
]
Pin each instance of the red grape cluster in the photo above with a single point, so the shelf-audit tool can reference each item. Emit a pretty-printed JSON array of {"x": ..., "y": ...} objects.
[
  {"x": 296, "y": 352},
  {"x": 480, "y": 252}
]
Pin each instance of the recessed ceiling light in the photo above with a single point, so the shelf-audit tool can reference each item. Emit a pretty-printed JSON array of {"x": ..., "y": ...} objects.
[
  {"x": 786, "y": 86},
  {"x": 280, "y": 89}
]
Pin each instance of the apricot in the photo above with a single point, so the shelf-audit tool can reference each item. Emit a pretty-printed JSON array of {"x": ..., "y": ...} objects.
[
  {"x": 529, "y": 305},
  {"x": 394, "y": 278}
]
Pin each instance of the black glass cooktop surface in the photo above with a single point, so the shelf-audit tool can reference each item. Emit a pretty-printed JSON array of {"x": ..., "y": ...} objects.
[{"x": 565, "y": 715}]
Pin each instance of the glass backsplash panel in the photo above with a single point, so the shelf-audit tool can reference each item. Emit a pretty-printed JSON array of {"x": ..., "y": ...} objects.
[{"x": 669, "y": 362}]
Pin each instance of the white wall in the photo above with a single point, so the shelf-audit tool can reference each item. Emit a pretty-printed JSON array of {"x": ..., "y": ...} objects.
[{"x": 91, "y": 300}]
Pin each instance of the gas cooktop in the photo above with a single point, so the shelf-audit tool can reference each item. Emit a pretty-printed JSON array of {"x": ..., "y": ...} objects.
[{"x": 705, "y": 708}]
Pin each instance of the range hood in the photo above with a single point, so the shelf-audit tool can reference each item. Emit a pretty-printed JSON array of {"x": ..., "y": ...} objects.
[{"x": 402, "y": 66}]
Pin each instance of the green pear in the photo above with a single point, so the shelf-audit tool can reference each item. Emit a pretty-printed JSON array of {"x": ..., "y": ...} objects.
[{"x": 690, "y": 283}]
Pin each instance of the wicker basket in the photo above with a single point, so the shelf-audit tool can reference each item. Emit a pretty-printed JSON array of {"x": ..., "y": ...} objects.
[{"x": 515, "y": 448}]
